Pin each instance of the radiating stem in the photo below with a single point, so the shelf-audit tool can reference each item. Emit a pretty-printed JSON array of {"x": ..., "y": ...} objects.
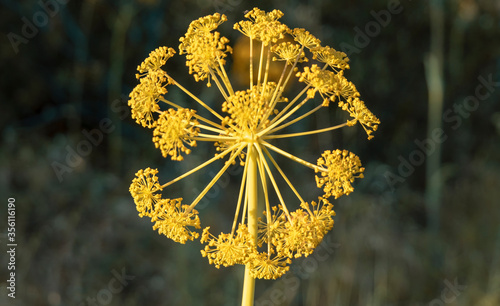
[
  {"x": 219, "y": 85},
  {"x": 266, "y": 73},
  {"x": 214, "y": 180},
  {"x": 284, "y": 125},
  {"x": 260, "y": 63},
  {"x": 283, "y": 175},
  {"x": 252, "y": 196},
  {"x": 305, "y": 133},
  {"x": 240, "y": 197},
  {"x": 292, "y": 157},
  {"x": 225, "y": 79},
  {"x": 274, "y": 98},
  {"x": 208, "y": 162},
  {"x": 273, "y": 182},
  {"x": 290, "y": 104},
  {"x": 284, "y": 117},
  {"x": 251, "y": 63},
  {"x": 195, "y": 115},
  {"x": 216, "y": 114}
]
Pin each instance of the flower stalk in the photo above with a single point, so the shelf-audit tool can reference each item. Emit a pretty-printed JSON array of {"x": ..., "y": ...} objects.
[{"x": 252, "y": 194}]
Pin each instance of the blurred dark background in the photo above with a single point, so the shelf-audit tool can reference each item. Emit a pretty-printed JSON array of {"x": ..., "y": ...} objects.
[{"x": 422, "y": 227}]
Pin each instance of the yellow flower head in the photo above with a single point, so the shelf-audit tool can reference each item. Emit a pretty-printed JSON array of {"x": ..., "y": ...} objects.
[
  {"x": 321, "y": 216},
  {"x": 244, "y": 124},
  {"x": 344, "y": 88},
  {"x": 144, "y": 99},
  {"x": 361, "y": 114},
  {"x": 289, "y": 52},
  {"x": 207, "y": 23},
  {"x": 305, "y": 38},
  {"x": 331, "y": 57},
  {"x": 319, "y": 80},
  {"x": 205, "y": 50},
  {"x": 172, "y": 219},
  {"x": 271, "y": 229},
  {"x": 144, "y": 190},
  {"x": 300, "y": 237},
  {"x": 228, "y": 249},
  {"x": 175, "y": 130},
  {"x": 155, "y": 61},
  {"x": 299, "y": 234},
  {"x": 338, "y": 170},
  {"x": 247, "y": 110},
  {"x": 263, "y": 266},
  {"x": 263, "y": 26}
]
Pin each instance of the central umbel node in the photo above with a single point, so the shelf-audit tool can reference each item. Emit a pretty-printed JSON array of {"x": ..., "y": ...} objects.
[{"x": 249, "y": 137}]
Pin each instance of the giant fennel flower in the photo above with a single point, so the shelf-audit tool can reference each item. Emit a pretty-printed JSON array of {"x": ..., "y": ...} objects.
[{"x": 244, "y": 128}]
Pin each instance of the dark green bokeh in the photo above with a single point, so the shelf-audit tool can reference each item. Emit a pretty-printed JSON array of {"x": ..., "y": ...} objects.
[{"x": 75, "y": 228}]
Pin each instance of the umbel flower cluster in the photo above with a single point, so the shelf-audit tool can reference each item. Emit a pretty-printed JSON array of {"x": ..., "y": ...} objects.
[{"x": 242, "y": 132}]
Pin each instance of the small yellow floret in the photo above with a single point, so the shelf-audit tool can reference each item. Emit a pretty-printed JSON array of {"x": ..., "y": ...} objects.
[
  {"x": 144, "y": 99},
  {"x": 205, "y": 50},
  {"x": 271, "y": 229},
  {"x": 344, "y": 88},
  {"x": 247, "y": 109},
  {"x": 321, "y": 217},
  {"x": 305, "y": 38},
  {"x": 264, "y": 267},
  {"x": 174, "y": 131},
  {"x": 263, "y": 26},
  {"x": 361, "y": 114},
  {"x": 320, "y": 80},
  {"x": 156, "y": 59},
  {"x": 226, "y": 249},
  {"x": 338, "y": 170},
  {"x": 289, "y": 52},
  {"x": 144, "y": 190},
  {"x": 172, "y": 219},
  {"x": 331, "y": 57}
]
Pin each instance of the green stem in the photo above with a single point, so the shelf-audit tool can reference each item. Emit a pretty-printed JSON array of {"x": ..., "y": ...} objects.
[{"x": 252, "y": 196}]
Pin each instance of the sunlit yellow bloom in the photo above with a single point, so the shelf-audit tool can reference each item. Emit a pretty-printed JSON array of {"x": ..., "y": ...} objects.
[
  {"x": 289, "y": 52},
  {"x": 263, "y": 26},
  {"x": 305, "y": 38},
  {"x": 301, "y": 233},
  {"x": 172, "y": 219},
  {"x": 338, "y": 170},
  {"x": 300, "y": 237},
  {"x": 322, "y": 81},
  {"x": 247, "y": 110},
  {"x": 154, "y": 61},
  {"x": 361, "y": 114},
  {"x": 205, "y": 50},
  {"x": 144, "y": 99},
  {"x": 144, "y": 190},
  {"x": 243, "y": 124},
  {"x": 175, "y": 129},
  {"x": 344, "y": 88},
  {"x": 262, "y": 266},
  {"x": 321, "y": 217},
  {"x": 331, "y": 57},
  {"x": 228, "y": 249},
  {"x": 272, "y": 227},
  {"x": 207, "y": 23}
]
